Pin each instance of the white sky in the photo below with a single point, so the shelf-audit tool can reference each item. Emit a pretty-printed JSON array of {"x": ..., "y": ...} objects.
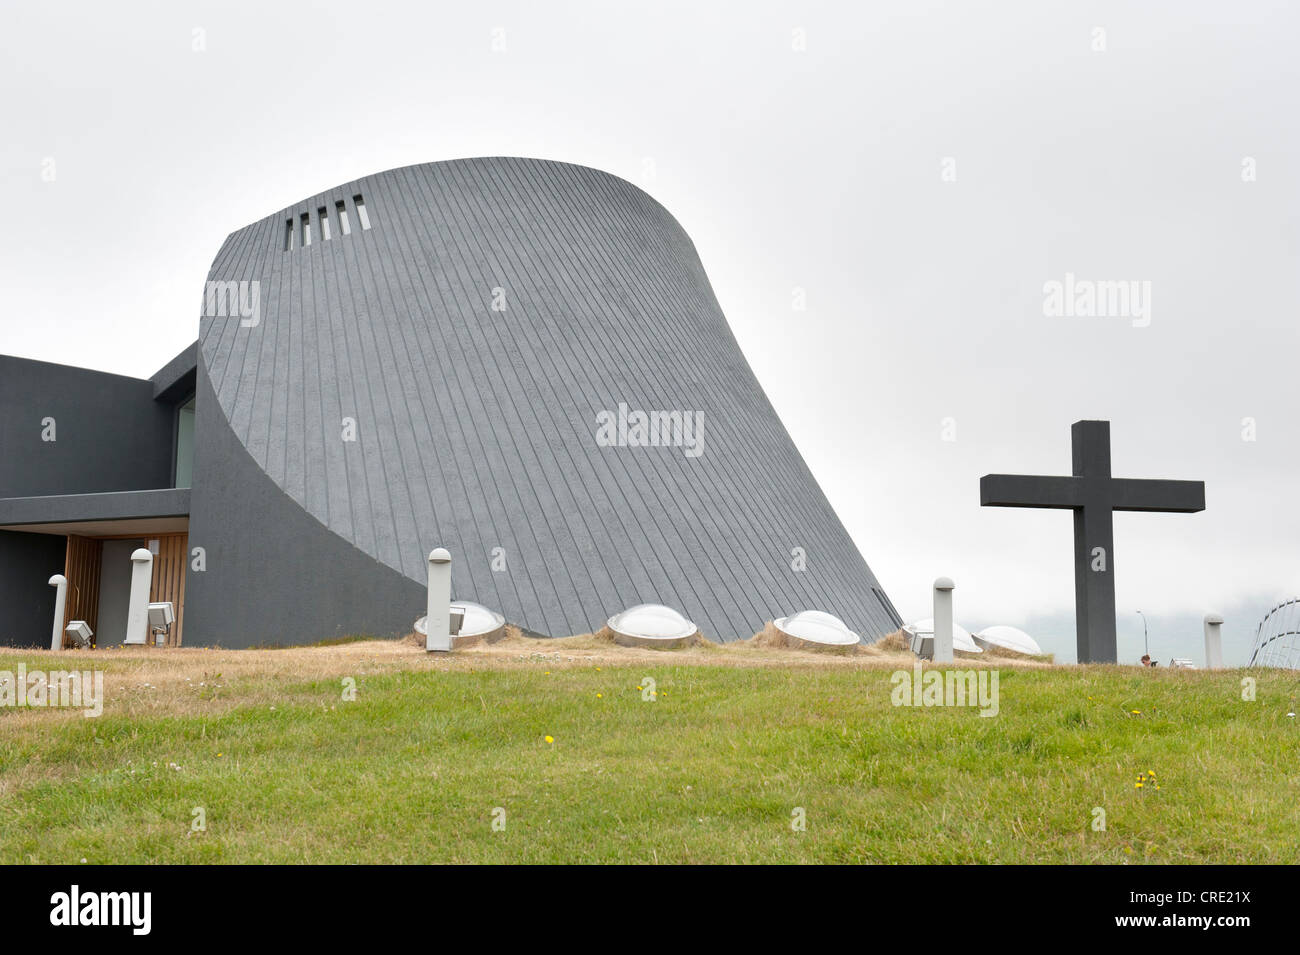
[{"x": 817, "y": 169}]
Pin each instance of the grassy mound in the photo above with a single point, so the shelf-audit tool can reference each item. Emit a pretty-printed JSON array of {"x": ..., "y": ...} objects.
[{"x": 377, "y": 752}]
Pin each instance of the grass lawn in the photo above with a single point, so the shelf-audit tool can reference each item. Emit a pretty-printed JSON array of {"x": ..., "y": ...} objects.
[{"x": 712, "y": 770}]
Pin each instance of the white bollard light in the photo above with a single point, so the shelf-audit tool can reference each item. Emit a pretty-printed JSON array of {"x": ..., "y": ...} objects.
[
  {"x": 137, "y": 612},
  {"x": 1213, "y": 642},
  {"x": 943, "y": 620},
  {"x": 437, "y": 622},
  {"x": 60, "y": 583}
]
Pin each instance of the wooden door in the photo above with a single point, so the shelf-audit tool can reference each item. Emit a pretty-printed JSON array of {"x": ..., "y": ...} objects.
[
  {"x": 169, "y": 579},
  {"x": 81, "y": 566}
]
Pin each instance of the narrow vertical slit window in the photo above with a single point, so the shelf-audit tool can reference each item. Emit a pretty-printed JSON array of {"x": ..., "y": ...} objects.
[
  {"x": 306, "y": 229},
  {"x": 362, "y": 216},
  {"x": 323, "y": 215},
  {"x": 185, "y": 444},
  {"x": 341, "y": 208},
  {"x": 288, "y": 236}
]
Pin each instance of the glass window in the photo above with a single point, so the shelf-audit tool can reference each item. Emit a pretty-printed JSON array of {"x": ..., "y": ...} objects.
[
  {"x": 185, "y": 444},
  {"x": 362, "y": 216}
]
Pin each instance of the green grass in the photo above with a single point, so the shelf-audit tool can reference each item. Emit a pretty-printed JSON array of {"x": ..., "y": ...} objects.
[{"x": 710, "y": 772}]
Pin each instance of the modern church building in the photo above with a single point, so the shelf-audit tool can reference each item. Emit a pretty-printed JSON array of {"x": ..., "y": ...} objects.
[{"x": 521, "y": 361}]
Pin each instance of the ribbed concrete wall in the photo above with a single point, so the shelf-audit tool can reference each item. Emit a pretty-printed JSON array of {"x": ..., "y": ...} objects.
[{"x": 476, "y": 428}]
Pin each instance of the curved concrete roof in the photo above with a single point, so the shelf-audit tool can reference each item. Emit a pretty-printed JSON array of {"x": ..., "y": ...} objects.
[{"x": 476, "y": 428}]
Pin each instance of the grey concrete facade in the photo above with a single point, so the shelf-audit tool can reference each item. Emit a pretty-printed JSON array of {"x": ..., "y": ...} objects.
[
  {"x": 27, "y": 561},
  {"x": 436, "y": 380},
  {"x": 435, "y": 375},
  {"x": 273, "y": 574},
  {"x": 110, "y": 434},
  {"x": 107, "y": 507},
  {"x": 79, "y": 449}
]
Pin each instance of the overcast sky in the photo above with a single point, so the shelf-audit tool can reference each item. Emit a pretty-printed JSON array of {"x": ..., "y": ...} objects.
[{"x": 919, "y": 171}]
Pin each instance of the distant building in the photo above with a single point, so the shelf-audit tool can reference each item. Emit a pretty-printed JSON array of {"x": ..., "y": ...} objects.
[{"x": 519, "y": 360}]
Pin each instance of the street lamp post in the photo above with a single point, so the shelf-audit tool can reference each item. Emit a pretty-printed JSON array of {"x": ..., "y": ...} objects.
[{"x": 1146, "y": 648}]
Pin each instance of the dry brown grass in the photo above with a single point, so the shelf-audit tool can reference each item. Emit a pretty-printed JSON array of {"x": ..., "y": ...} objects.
[
  {"x": 895, "y": 641},
  {"x": 183, "y": 680},
  {"x": 1003, "y": 653}
]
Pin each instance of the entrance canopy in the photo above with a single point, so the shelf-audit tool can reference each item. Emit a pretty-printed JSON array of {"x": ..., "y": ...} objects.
[
  {"x": 165, "y": 511},
  {"x": 88, "y": 538}
]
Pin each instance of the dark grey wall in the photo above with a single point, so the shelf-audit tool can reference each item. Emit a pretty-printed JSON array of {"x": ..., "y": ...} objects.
[
  {"x": 111, "y": 434},
  {"x": 275, "y": 575},
  {"x": 175, "y": 381},
  {"x": 27, "y": 562},
  {"x": 476, "y": 427}
]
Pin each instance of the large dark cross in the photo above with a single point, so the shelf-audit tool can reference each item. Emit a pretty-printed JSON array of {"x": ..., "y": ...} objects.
[{"x": 1093, "y": 495}]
